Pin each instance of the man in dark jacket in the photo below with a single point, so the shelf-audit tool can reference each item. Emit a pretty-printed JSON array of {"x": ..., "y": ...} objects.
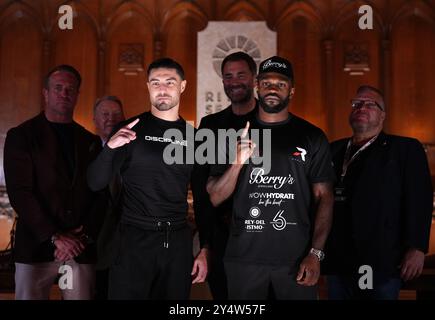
[
  {"x": 382, "y": 210},
  {"x": 238, "y": 78},
  {"x": 45, "y": 162},
  {"x": 108, "y": 113}
]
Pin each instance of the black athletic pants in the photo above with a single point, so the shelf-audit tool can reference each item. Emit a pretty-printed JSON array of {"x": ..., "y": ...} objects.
[
  {"x": 145, "y": 269},
  {"x": 217, "y": 279}
]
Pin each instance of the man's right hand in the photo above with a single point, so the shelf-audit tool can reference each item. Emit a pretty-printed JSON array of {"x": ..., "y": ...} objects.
[
  {"x": 123, "y": 136},
  {"x": 412, "y": 264}
]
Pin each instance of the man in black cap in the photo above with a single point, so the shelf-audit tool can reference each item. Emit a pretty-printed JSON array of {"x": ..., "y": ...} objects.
[{"x": 281, "y": 217}]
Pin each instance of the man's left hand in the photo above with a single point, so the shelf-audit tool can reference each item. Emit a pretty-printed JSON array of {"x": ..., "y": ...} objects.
[
  {"x": 309, "y": 271},
  {"x": 200, "y": 269},
  {"x": 412, "y": 264}
]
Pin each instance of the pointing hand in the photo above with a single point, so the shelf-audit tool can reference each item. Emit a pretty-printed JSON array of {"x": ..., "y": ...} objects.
[{"x": 123, "y": 136}]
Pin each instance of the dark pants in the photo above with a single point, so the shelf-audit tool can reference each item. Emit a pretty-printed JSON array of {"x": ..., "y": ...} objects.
[
  {"x": 217, "y": 278},
  {"x": 145, "y": 269},
  {"x": 102, "y": 284},
  {"x": 346, "y": 288},
  {"x": 254, "y": 282}
]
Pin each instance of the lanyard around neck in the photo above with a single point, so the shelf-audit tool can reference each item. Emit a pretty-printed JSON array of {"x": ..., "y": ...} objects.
[{"x": 348, "y": 161}]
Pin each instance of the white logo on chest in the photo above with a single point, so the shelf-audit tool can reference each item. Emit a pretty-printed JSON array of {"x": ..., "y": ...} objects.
[{"x": 257, "y": 176}]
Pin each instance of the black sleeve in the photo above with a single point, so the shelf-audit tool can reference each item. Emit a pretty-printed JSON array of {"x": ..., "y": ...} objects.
[
  {"x": 418, "y": 197},
  {"x": 102, "y": 170},
  {"x": 93, "y": 221},
  {"x": 204, "y": 211},
  {"x": 321, "y": 169},
  {"x": 19, "y": 175},
  {"x": 222, "y": 155}
]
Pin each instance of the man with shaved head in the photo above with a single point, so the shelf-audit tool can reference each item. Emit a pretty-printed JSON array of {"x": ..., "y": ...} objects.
[{"x": 382, "y": 209}]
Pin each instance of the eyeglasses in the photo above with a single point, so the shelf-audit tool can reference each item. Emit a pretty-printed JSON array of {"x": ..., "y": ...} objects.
[{"x": 369, "y": 104}]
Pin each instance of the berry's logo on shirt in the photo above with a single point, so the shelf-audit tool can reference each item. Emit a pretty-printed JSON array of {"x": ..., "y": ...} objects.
[{"x": 299, "y": 154}]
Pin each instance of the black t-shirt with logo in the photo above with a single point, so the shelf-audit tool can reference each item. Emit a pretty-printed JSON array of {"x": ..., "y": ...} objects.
[
  {"x": 152, "y": 189},
  {"x": 273, "y": 212}
]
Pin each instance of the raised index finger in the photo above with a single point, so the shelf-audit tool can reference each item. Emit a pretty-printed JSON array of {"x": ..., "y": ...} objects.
[
  {"x": 245, "y": 130},
  {"x": 132, "y": 124}
]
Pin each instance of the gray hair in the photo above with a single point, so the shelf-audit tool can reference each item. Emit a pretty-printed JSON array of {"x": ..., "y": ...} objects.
[{"x": 107, "y": 98}]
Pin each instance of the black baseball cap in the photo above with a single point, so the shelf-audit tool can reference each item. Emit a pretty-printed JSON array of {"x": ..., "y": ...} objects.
[{"x": 278, "y": 65}]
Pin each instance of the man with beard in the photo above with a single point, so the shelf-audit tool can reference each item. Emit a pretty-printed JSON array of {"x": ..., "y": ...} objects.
[
  {"x": 382, "y": 209},
  {"x": 281, "y": 218},
  {"x": 238, "y": 78},
  {"x": 154, "y": 258}
]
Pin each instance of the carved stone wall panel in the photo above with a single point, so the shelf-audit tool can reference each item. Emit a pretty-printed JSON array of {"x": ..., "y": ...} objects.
[
  {"x": 129, "y": 82},
  {"x": 356, "y": 58},
  {"x": 131, "y": 58}
]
